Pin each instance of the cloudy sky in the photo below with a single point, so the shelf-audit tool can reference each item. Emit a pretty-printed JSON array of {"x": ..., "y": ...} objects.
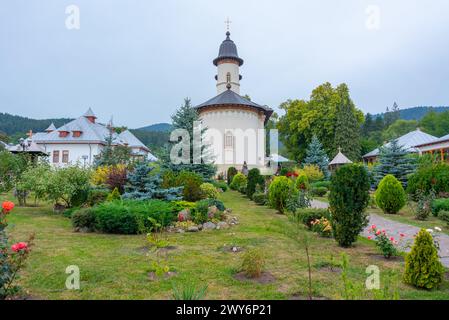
[{"x": 138, "y": 59}]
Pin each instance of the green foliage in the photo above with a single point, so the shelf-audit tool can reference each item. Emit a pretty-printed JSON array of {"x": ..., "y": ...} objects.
[
  {"x": 297, "y": 199},
  {"x": 307, "y": 215},
  {"x": 69, "y": 184},
  {"x": 181, "y": 205},
  {"x": 440, "y": 205},
  {"x": 128, "y": 216},
  {"x": 434, "y": 176},
  {"x": 390, "y": 195},
  {"x": 114, "y": 195},
  {"x": 220, "y": 185},
  {"x": 399, "y": 128},
  {"x": 84, "y": 218},
  {"x": 348, "y": 199},
  {"x": 435, "y": 123},
  {"x": 191, "y": 185},
  {"x": 422, "y": 208},
  {"x": 317, "y": 117},
  {"x": 260, "y": 198},
  {"x": 395, "y": 160},
  {"x": 423, "y": 268},
  {"x": 253, "y": 263},
  {"x": 302, "y": 182},
  {"x": 279, "y": 191},
  {"x": 315, "y": 155},
  {"x": 444, "y": 216},
  {"x": 254, "y": 179},
  {"x": 321, "y": 184},
  {"x": 238, "y": 181},
  {"x": 231, "y": 173},
  {"x": 143, "y": 185},
  {"x": 96, "y": 196},
  {"x": 113, "y": 155},
  {"x": 35, "y": 179},
  {"x": 11, "y": 168},
  {"x": 11, "y": 124},
  {"x": 384, "y": 242},
  {"x": 209, "y": 190},
  {"x": 189, "y": 291},
  {"x": 318, "y": 191}
]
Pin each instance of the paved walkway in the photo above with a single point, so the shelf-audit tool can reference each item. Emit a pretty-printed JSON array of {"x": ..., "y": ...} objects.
[{"x": 395, "y": 228}]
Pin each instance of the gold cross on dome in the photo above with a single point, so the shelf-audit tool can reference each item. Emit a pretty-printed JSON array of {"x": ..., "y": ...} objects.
[{"x": 228, "y": 22}]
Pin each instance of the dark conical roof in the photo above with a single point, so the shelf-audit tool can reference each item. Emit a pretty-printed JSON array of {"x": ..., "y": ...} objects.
[{"x": 228, "y": 50}]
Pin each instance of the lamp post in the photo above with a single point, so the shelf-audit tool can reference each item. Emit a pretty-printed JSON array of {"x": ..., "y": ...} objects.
[{"x": 84, "y": 157}]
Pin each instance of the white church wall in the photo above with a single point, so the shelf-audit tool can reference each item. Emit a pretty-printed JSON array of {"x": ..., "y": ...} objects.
[{"x": 222, "y": 70}]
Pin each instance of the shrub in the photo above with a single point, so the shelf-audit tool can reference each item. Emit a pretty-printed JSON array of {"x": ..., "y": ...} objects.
[
  {"x": 201, "y": 209},
  {"x": 323, "y": 227},
  {"x": 221, "y": 185},
  {"x": 348, "y": 200},
  {"x": 434, "y": 176},
  {"x": 302, "y": 182},
  {"x": 231, "y": 173},
  {"x": 422, "y": 208},
  {"x": 312, "y": 172},
  {"x": 321, "y": 184},
  {"x": 114, "y": 195},
  {"x": 260, "y": 198},
  {"x": 439, "y": 205},
  {"x": 84, "y": 218},
  {"x": 318, "y": 191},
  {"x": 383, "y": 242},
  {"x": 215, "y": 202},
  {"x": 181, "y": 205},
  {"x": 242, "y": 189},
  {"x": 253, "y": 263},
  {"x": 297, "y": 199},
  {"x": 307, "y": 216},
  {"x": 254, "y": 179},
  {"x": 284, "y": 171},
  {"x": 279, "y": 191},
  {"x": 97, "y": 196},
  {"x": 131, "y": 216},
  {"x": 189, "y": 291},
  {"x": 209, "y": 190},
  {"x": 192, "y": 185},
  {"x": 423, "y": 268},
  {"x": 238, "y": 181},
  {"x": 444, "y": 216},
  {"x": 117, "y": 177},
  {"x": 390, "y": 195}
]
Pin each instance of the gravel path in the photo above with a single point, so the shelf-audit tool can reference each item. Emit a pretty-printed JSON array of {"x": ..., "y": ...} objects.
[{"x": 395, "y": 228}]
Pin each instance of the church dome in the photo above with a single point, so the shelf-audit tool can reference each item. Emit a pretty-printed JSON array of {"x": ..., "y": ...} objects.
[{"x": 228, "y": 50}]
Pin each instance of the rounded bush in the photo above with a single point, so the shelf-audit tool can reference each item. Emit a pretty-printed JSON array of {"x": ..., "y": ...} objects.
[
  {"x": 238, "y": 181},
  {"x": 83, "y": 218},
  {"x": 254, "y": 178},
  {"x": 423, "y": 268},
  {"x": 318, "y": 191},
  {"x": 231, "y": 173},
  {"x": 302, "y": 182},
  {"x": 209, "y": 190},
  {"x": 279, "y": 191},
  {"x": 259, "y": 198},
  {"x": 390, "y": 195},
  {"x": 348, "y": 199}
]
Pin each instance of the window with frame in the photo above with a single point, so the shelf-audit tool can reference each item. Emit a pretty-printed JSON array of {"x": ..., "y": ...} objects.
[
  {"x": 228, "y": 77},
  {"x": 55, "y": 156},
  {"x": 65, "y": 156},
  {"x": 229, "y": 140}
]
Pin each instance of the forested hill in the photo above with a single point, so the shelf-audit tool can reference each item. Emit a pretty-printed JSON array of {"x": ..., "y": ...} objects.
[
  {"x": 12, "y": 125},
  {"x": 416, "y": 113},
  {"x": 157, "y": 127}
]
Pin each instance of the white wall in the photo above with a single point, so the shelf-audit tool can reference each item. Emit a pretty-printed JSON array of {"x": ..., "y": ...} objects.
[
  {"x": 76, "y": 153},
  {"x": 222, "y": 71}
]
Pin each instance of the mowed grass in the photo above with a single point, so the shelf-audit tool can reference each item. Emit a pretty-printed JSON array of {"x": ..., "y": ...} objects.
[{"x": 116, "y": 267}]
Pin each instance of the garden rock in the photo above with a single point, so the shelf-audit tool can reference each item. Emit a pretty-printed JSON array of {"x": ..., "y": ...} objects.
[
  {"x": 222, "y": 225},
  {"x": 209, "y": 225},
  {"x": 193, "y": 229},
  {"x": 212, "y": 211}
]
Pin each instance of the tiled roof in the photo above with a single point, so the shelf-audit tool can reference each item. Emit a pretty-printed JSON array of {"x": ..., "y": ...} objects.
[
  {"x": 340, "y": 158},
  {"x": 408, "y": 141}
]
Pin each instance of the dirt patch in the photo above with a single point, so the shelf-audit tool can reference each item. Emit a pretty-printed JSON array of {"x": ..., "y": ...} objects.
[
  {"x": 153, "y": 277},
  {"x": 298, "y": 296},
  {"x": 265, "y": 277},
  {"x": 381, "y": 257}
]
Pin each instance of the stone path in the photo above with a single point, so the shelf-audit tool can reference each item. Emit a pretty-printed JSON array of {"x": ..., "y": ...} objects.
[{"x": 395, "y": 228}]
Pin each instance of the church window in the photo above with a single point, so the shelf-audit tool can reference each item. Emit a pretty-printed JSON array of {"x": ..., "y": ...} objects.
[
  {"x": 65, "y": 156},
  {"x": 229, "y": 140},
  {"x": 228, "y": 77},
  {"x": 55, "y": 156}
]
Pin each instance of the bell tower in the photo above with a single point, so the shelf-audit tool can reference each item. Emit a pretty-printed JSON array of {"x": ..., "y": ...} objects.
[{"x": 228, "y": 64}]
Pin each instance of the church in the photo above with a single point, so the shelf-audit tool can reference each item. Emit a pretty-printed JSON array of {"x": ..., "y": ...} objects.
[{"x": 235, "y": 125}]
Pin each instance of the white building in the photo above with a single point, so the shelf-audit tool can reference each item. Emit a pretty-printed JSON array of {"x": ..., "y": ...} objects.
[
  {"x": 235, "y": 124},
  {"x": 81, "y": 140}
]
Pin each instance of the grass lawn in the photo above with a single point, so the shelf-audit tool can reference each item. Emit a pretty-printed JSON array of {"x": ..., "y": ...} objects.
[{"x": 115, "y": 267}]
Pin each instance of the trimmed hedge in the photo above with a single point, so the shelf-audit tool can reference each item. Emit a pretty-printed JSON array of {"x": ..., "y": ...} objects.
[
  {"x": 318, "y": 191},
  {"x": 230, "y": 175},
  {"x": 439, "y": 205},
  {"x": 238, "y": 181},
  {"x": 390, "y": 195},
  {"x": 321, "y": 184}
]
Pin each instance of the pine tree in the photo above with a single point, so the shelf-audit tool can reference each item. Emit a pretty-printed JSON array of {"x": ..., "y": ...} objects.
[
  {"x": 316, "y": 155},
  {"x": 112, "y": 155},
  {"x": 184, "y": 118},
  {"x": 347, "y": 128},
  {"x": 395, "y": 160}
]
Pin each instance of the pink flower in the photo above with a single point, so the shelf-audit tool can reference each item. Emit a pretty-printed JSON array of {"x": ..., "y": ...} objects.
[
  {"x": 378, "y": 232},
  {"x": 19, "y": 246},
  {"x": 392, "y": 239},
  {"x": 369, "y": 237},
  {"x": 7, "y": 206},
  {"x": 402, "y": 235},
  {"x": 373, "y": 226}
]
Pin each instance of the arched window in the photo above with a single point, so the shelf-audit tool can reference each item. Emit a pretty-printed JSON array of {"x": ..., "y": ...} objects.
[
  {"x": 228, "y": 77},
  {"x": 229, "y": 140}
]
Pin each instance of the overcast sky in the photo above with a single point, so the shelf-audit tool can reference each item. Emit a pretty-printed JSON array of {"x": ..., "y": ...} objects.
[{"x": 138, "y": 59}]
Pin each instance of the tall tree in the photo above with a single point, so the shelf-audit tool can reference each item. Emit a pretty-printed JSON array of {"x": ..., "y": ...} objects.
[
  {"x": 435, "y": 123},
  {"x": 347, "y": 127},
  {"x": 316, "y": 155},
  {"x": 184, "y": 118},
  {"x": 399, "y": 128},
  {"x": 395, "y": 160}
]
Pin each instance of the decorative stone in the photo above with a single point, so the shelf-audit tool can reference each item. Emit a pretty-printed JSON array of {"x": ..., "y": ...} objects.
[
  {"x": 222, "y": 225},
  {"x": 212, "y": 211},
  {"x": 180, "y": 230},
  {"x": 209, "y": 225},
  {"x": 193, "y": 229},
  {"x": 228, "y": 211}
]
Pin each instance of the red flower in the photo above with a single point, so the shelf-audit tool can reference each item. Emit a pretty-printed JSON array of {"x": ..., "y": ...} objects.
[
  {"x": 19, "y": 246},
  {"x": 378, "y": 232},
  {"x": 392, "y": 239},
  {"x": 369, "y": 237},
  {"x": 7, "y": 206},
  {"x": 373, "y": 227},
  {"x": 402, "y": 235}
]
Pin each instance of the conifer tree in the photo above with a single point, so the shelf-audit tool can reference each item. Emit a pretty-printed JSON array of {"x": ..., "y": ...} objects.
[
  {"x": 184, "y": 118},
  {"x": 316, "y": 155},
  {"x": 395, "y": 160},
  {"x": 347, "y": 128}
]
